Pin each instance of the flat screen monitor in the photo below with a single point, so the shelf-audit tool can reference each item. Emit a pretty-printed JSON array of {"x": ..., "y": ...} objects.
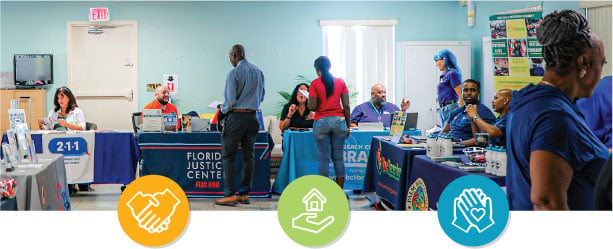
[{"x": 33, "y": 69}]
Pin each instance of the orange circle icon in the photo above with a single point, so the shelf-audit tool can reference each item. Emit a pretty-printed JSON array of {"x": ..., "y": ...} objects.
[{"x": 153, "y": 210}]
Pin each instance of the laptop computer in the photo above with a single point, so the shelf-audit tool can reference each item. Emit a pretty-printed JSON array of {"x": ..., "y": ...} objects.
[
  {"x": 201, "y": 124},
  {"x": 411, "y": 121}
]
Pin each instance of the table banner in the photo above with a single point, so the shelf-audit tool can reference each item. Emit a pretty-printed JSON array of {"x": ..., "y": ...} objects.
[
  {"x": 428, "y": 179},
  {"x": 194, "y": 161},
  {"x": 385, "y": 170},
  {"x": 78, "y": 151},
  {"x": 300, "y": 158},
  {"x": 52, "y": 188}
]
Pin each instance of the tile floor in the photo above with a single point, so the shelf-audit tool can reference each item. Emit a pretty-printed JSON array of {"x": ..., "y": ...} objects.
[{"x": 105, "y": 197}]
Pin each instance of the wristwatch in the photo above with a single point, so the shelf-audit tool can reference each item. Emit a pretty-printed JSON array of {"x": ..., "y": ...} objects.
[{"x": 476, "y": 117}]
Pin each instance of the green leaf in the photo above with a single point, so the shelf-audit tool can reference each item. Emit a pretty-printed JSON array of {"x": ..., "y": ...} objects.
[{"x": 285, "y": 95}]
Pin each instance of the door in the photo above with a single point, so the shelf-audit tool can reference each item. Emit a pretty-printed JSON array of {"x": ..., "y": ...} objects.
[
  {"x": 102, "y": 71},
  {"x": 487, "y": 83},
  {"x": 418, "y": 76}
]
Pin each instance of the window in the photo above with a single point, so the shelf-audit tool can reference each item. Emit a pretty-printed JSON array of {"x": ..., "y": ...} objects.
[{"x": 362, "y": 53}]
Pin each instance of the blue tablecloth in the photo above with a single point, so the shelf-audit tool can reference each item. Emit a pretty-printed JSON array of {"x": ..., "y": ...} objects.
[
  {"x": 194, "y": 161},
  {"x": 428, "y": 179},
  {"x": 116, "y": 156},
  {"x": 388, "y": 168},
  {"x": 300, "y": 157}
]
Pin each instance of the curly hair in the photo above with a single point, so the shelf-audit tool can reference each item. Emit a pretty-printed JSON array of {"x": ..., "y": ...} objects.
[
  {"x": 294, "y": 98},
  {"x": 564, "y": 35}
]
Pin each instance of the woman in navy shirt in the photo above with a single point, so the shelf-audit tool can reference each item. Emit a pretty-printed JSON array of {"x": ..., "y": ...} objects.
[
  {"x": 553, "y": 157},
  {"x": 450, "y": 84}
]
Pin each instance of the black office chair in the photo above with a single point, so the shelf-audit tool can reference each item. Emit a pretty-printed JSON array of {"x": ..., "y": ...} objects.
[
  {"x": 136, "y": 125},
  {"x": 136, "y": 122}
]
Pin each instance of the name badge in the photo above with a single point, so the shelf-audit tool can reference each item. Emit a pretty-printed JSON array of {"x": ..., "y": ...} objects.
[{"x": 386, "y": 112}]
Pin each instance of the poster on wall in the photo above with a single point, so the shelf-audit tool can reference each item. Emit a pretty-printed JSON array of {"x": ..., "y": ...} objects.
[
  {"x": 517, "y": 55},
  {"x": 172, "y": 82}
]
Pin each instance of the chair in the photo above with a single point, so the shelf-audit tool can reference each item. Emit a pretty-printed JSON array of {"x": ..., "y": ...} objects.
[
  {"x": 136, "y": 122},
  {"x": 90, "y": 126}
]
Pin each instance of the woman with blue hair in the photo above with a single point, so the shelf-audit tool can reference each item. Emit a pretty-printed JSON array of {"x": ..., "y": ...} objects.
[
  {"x": 450, "y": 84},
  {"x": 331, "y": 126}
]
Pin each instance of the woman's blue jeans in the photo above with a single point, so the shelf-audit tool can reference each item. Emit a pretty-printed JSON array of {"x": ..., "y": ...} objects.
[
  {"x": 330, "y": 134},
  {"x": 444, "y": 112}
]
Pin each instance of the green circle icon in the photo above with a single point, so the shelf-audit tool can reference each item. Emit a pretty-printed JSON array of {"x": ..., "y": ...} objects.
[{"x": 313, "y": 211}]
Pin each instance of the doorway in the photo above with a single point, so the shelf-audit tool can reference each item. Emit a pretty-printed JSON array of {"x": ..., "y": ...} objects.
[
  {"x": 418, "y": 76},
  {"x": 103, "y": 71}
]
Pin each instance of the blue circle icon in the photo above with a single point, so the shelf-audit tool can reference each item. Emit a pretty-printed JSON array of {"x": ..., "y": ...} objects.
[{"x": 473, "y": 210}]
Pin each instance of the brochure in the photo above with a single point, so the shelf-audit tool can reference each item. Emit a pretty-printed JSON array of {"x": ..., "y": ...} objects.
[{"x": 152, "y": 120}]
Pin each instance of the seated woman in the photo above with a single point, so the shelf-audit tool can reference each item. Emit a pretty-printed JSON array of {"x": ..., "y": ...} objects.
[
  {"x": 296, "y": 113},
  {"x": 66, "y": 112}
]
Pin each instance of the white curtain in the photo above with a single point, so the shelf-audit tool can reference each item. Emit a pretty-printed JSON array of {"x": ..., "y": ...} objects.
[{"x": 362, "y": 53}]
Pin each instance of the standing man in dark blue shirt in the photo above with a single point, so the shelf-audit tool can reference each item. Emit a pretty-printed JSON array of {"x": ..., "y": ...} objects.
[
  {"x": 458, "y": 124},
  {"x": 243, "y": 94}
]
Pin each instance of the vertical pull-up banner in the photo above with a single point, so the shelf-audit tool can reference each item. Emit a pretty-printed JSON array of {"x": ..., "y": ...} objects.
[{"x": 517, "y": 56}]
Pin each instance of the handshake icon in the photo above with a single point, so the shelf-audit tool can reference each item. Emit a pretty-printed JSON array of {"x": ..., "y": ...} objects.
[
  {"x": 153, "y": 212},
  {"x": 472, "y": 208}
]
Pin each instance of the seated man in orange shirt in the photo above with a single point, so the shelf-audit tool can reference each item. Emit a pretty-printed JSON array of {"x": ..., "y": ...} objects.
[{"x": 161, "y": 102}]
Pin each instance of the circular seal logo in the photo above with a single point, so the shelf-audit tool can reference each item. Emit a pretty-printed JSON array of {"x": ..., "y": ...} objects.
[
  {"x": 473, "y": 210},
  {"x": 417, "y": 197}
]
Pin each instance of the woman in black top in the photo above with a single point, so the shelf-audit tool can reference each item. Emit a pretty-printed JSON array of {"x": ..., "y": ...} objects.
[{"x": 296, "y": 113}]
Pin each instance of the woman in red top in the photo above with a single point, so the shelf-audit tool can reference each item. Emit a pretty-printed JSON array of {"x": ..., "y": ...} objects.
[{"x": 331, "y": 119}]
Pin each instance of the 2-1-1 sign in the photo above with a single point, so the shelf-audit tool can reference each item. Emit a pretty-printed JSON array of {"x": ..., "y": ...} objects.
[{"x": 99, "y": 14}]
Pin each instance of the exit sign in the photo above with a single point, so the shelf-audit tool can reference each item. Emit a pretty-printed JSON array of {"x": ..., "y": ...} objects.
[{"x": 99, "y": 14}]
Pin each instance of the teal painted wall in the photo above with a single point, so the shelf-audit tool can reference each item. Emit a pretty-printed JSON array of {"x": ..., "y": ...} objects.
[{"x": 167, "y": 29}]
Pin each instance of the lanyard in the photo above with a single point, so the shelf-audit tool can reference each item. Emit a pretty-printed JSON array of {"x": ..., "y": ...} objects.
[{"x": 377, "y": 111}]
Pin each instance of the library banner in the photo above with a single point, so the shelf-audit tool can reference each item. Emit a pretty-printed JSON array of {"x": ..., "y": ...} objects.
[{"x": 517, "y": 55}]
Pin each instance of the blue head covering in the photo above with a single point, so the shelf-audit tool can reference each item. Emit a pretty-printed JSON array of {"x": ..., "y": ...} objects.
[{"x": 450, "y": 61}]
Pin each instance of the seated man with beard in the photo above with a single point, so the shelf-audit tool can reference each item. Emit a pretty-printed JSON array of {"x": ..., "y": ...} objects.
[
  {"x": 377, "y": 109},
  {"x": 161, "y": 102}
]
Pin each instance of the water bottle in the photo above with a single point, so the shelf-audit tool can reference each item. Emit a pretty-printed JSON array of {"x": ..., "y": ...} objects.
[
  {"x": 496, "y": 160},
  {"x": 440, "y": 141},
  {"x": 447, "y": 146},
  {"x": 488, "y": 160},
  {"x": 432, "y": 146},
  {"x": 502, "y": 171}
]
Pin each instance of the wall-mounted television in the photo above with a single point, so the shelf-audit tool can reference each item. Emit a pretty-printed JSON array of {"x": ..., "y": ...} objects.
[{"x": 33, "y": 70}]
